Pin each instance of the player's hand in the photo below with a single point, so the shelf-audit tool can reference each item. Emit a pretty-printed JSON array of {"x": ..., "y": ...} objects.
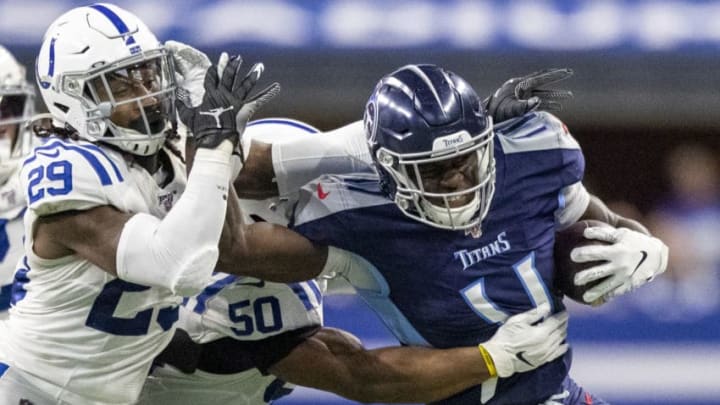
[
  {"x": 528, "y": 340},
  {"x": 521, "y": 95},
  {"x": 226, "y": 97},
  {"x": 190, "y": 67},
  {"x": 631, "y": 260}
]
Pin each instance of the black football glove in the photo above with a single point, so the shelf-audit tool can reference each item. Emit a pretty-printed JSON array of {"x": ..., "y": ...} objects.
[
  {"x": 521, "y": 95},
  {"x": 225, "y": 99}
]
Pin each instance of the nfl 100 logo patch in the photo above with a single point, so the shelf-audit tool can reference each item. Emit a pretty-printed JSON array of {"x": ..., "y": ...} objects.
[{"x": 166, "y": 201}]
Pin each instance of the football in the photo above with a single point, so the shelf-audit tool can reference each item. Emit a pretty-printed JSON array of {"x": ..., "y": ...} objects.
[{"x": 565, "y": 269}]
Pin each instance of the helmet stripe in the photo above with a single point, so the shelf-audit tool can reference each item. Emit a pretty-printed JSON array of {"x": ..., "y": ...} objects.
[
  {"x": 284, "y": 121},
  {"x": 51, "y": 66},
  {"x": 415, "y": 69},
  {"x": 116, "y": 20}
]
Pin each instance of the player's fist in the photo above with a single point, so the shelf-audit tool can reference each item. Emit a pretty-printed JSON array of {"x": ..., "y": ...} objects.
[
  {"x": 226, "y": 98},
  {"x": 527, "y": 340},
  {"x": 521, "y": 95},
  {"x": 631, "y": 259}
]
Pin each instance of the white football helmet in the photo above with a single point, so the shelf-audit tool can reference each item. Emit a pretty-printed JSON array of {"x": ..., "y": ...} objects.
[
  {"x": 17, "y": 99},
  {"x": 103, "y": 73}
]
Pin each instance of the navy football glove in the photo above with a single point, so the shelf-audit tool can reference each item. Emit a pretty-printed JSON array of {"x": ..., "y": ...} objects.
[{"x": 521, "y": 95}]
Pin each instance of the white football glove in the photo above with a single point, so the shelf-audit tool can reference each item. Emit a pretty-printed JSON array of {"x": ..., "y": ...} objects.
[
  {"x": 633, "y": 259},
  {"x": 190, "y": 67},
  {"x": 526, "y": 341}
]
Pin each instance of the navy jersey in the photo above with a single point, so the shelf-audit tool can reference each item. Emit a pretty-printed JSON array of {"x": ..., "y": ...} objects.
[{"x": 445, "y": 288}]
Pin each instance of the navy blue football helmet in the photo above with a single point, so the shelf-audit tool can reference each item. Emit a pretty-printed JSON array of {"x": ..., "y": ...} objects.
[{"x": 419, "y": 120}]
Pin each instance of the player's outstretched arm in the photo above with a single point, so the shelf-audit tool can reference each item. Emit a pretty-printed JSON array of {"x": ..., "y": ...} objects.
[
  {"x": 267, "y": 251},
  {"x": 335, "y": 361},
  {"x": 632, "y": 257},
  {"x": 340, "y": 364}
]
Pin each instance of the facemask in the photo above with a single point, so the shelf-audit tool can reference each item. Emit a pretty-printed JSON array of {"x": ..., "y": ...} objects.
[{"x": 5, "y": 149}]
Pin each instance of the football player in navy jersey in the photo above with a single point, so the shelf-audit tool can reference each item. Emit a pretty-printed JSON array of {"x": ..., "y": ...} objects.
[
  {"x": 275, "y": 334},
  {"x": 447, "y": 227},
  {"x": 457, "y": 225}
]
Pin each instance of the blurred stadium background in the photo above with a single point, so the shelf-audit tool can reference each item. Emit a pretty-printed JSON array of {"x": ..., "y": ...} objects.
[{"x": 647, "y": 96}]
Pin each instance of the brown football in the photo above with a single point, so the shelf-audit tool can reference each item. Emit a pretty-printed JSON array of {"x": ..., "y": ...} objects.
[{"x": 565, "y": 269}]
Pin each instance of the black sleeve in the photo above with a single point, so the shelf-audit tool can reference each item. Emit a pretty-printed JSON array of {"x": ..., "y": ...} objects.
[{"x": 230, "y": 356}]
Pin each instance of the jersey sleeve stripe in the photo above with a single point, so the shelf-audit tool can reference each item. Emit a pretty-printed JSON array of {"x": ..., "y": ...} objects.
[
  {"x": 515, "y": 125},
  {"x": 211, "y": 291},
  {"x": 114, "y": 166},
  {"x": 301, "y": 294},
  {"x": 533, "y": 132},
  {"x": 316, "y": 291},
  {"x": 51, "y": 151}
]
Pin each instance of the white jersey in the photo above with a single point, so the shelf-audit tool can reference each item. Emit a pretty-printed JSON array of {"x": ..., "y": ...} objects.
[
  {"x": 78, "y": 333},
  {"x": 245, "y": 309},
  {"x": 12, "y": 206}
]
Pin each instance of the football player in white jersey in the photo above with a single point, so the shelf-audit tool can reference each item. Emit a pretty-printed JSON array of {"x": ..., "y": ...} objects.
[
  {"x": 116, "y": 233},
  {"x": 16, "y": 108},
  {"x": 248, "y": 341}
]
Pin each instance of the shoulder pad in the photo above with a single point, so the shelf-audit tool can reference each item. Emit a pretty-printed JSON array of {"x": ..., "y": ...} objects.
[
  {"x": 63, "y": 175},
  {"x": 534, "y": 131},
  {"x": 331, "y": 194}
]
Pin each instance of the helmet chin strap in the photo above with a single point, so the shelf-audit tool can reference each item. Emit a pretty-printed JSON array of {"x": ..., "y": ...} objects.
[{"x": 458, "y": 216}]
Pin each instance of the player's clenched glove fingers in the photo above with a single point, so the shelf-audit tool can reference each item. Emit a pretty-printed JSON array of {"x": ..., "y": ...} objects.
[
  {"x": 532, "y": 86},
  {"x": 521, "y": 95},
  {"x": 190, "y": 66},
  {"x": 526, "y": 341},
  {"x": 632, "y": 260},
  {"x": 253, "y": 103},
  {"x": 226, "y": 93}
]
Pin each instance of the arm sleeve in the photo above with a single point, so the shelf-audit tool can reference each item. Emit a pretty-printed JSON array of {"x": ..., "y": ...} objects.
[
  {"x": 339, "y": 151},
  {"x": 180, "y": 251},
  {"x": 574, "y": 200},
  {"x": 260, "y": 354}
]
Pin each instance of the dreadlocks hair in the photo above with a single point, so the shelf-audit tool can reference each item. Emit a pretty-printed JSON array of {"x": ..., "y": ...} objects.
[
  {"x": 170, "y": 139},
  {"x": 46, "y": 131},
  {"x": 68, "y": 132}
]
